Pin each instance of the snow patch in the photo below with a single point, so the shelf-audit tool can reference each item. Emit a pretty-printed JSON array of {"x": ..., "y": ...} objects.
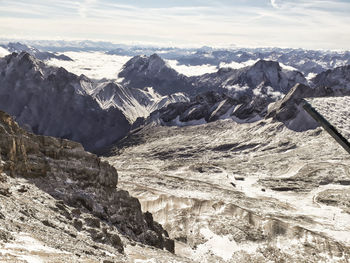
[
  {"x": 3, "y": 52},
  {"x": 179, "y": 123}
]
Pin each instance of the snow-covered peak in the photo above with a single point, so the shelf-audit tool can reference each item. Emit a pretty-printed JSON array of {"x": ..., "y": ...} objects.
[
  {"x": 19, "y": 47},
  {"x": 337, "y": 79},
  {"x": 52, "y": 101},
  {"x": 153, "y": 64},
  {"x": 143, "y": 71},
  {"x": 23, "y": 62}
]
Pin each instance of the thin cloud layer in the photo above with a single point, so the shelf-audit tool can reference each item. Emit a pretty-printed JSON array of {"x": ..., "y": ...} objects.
[{"x": 317, "y": 24}]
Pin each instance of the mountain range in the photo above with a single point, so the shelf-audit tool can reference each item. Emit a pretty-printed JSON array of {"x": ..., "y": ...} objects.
[
  {"x": 220, "y": 167},
  {"x": 52, "y": 101}
]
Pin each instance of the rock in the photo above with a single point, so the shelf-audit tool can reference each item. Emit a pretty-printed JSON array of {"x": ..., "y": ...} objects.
[
  {"x": 5, "y": 190},
  {"x": 5, "y": 236},
  {"x": 115, "y": 241},
  {"x": 92, "y": 222},
  {"x": 22, "y": 189},
  {"x": 289, "y": 110},
  {"x": 76, "y": 178},
  {"x": 78, "y": 224},
  {"x": 51, "y": 101},
  {"x": 48, "y": 223}
]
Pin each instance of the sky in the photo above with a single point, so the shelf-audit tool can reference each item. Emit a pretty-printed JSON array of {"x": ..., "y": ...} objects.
[{"x": 312, "y": 24}]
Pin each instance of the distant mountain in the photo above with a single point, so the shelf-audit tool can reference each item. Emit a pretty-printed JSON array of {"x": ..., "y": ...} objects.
[
  {"x": 241, "y": 94},
  {"x": 18, "y": 48},
  {"x": 306, "y": 61},
  {"x": 141, "y": 72},
  {"x": 52, "y": 101},
  {"x": 338, "y": 80},
  {"x": 266, "y": 77}
]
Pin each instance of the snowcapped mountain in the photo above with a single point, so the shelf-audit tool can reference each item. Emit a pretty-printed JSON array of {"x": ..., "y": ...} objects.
[
  {"x": 241, "y": 94},
  {"x": 42, "y": 55},
  {"x": 52, "y": 101},
  {"x": 309, "y": 62},
  {"x": 153, "y": 71},
  {"x": 142, "y": 71},
  {"x": 306, "y": 61},
  {"x": 338, "y": 80},
  {"x": 146, "y": 85},
  {"x": 133, "y": 102},
  {"x": 263, "y": 77}
]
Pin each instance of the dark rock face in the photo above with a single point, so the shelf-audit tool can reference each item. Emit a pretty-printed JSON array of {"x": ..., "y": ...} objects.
[
  {"x": 51, "y": 101},
  {"x": 142, "y": 71},
  {"x": 211, "y": 106},
  {"x": 335, "y": 82},
  {"x": 65, "y": 171},
  {"x": 208, "y": 106},
  {"x": 286, "y": 108}
]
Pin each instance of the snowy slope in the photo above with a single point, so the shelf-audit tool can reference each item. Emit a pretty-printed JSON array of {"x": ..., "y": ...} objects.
[
  {"x": 3, "y": 52},
  {"x": 230, "y": 192},
  {"x": 132, "y": 102}
]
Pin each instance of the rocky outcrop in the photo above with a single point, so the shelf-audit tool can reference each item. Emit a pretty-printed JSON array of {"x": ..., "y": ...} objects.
[
  {"x": 289, "y": 110},
  {"x": 80, "y": 179}
]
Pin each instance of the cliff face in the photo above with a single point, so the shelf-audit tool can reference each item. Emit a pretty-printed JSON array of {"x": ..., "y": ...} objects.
[
  {"x": 83, "y": 184},
  {"x": 54, "y": 102}
]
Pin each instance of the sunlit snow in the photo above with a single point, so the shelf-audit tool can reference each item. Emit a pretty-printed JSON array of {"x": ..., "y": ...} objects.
[{"x": 3, "y": 52}]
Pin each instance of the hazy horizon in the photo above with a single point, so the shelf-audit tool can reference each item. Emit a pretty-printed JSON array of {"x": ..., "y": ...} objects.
[{"x": 318, "y": 24}]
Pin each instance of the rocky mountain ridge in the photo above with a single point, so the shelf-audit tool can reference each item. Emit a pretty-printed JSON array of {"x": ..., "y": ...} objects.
[
  {"x": 42, "y": 55},
  {"x": 147, "y": 85},
  {"x": 52, "y": 101},
  {"x": 81, "y": 198}
]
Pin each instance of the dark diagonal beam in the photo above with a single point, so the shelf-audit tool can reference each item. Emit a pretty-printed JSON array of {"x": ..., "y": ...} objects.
[{"x": 327, "y": 126}]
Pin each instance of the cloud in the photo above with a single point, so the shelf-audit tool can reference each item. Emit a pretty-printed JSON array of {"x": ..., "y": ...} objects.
[
  {"x": 274, "y": 4},
  {"x": 285, "y": 23},
  {"x": 84, "y": 7}
]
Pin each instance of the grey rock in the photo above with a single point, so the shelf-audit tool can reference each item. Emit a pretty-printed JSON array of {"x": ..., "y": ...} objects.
[{"x": 51, "y": 101}]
